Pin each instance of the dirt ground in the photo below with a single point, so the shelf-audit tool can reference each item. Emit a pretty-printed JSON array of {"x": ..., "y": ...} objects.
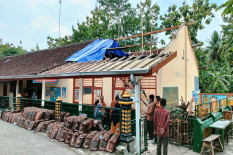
[{"x": 15, "y": 140}]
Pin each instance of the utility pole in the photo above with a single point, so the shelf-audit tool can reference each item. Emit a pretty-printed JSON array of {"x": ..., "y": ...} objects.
[{"x": 59, "y": 36}]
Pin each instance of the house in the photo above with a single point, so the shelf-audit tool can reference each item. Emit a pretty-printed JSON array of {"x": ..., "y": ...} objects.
[{"x": 171, "y": 73}]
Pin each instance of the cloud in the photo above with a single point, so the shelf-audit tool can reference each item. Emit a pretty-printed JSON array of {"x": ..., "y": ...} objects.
[
  {"x": 35, "y": 3},
  {"x": 82, "y": 3},
  {"x": 50, "y": 25}
]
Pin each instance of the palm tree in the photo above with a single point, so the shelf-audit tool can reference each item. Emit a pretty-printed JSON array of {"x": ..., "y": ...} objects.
[
  {"x": 220, "y": 77},
  {"x": 214, "y": 44}
]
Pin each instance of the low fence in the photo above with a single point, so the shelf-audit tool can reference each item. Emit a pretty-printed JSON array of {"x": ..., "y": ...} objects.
[
  {"x": 73, "y": 109},
  {"x": 181, "y": 131},
  {"x": 6, "y": 102},
  {"x": 205, "y": 109}
]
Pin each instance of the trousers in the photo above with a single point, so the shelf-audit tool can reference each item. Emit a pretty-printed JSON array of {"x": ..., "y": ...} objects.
[
  {"x": 150, "y": 129},
  {"x": 162, "y": 141}
]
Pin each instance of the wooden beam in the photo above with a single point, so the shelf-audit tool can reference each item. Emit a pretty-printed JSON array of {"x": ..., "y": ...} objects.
[
  {"x": 196, "y": 45},
  {"x": 154, "y": 32},
  {"x": 139, "y": 45},
  {"x": 163, "y": 63}
]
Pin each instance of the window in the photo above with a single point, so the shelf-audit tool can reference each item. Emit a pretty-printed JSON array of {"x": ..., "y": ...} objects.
[{"x": 92, "y": 90}]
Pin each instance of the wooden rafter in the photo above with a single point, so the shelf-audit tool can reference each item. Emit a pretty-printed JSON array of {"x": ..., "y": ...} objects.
[{"x": 153, "y": 32}]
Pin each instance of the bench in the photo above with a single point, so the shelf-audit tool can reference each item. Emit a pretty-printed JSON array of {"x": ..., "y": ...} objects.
[{"x": 208, "y": 143}]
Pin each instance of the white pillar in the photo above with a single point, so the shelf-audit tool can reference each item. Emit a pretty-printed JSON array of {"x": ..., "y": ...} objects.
[
  {"x": 43, "y": 93},
  {"x": 17, "y": 88},
  {"x": 80, "y": 93},
  {"x": 138, "y": 115}
]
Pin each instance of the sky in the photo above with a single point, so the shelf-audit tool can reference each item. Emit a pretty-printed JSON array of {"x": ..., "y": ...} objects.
[{"x": 32, "y": 21}]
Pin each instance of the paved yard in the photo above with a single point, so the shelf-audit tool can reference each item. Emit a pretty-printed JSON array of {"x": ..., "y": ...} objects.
[
  {"x": 176, "y": 150},
  {"x": 15, "y": 140}
]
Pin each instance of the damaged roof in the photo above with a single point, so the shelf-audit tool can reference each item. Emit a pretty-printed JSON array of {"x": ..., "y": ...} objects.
[
  {"x": 138, "y": 65},
  {"x": 33, "y": 63}
]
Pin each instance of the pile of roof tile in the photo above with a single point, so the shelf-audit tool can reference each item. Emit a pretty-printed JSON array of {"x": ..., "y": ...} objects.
[
  {"x": 77, "y": 131},
  {"x": 82, "y": 132},
  {"x": 29, "y": 118}
]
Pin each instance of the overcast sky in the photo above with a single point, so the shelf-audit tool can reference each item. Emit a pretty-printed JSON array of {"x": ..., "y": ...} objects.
[{"x": 31, "y": 21}]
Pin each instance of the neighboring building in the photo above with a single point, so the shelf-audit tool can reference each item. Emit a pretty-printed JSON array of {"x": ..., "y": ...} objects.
[{"x": 171, "y": 74}]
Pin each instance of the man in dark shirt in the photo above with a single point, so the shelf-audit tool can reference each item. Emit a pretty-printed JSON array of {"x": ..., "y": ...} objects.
[{"x": 161, "y": 124}]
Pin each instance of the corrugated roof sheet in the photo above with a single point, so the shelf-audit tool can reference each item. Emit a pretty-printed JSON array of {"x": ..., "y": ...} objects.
[{"x": 125, "y": 63}]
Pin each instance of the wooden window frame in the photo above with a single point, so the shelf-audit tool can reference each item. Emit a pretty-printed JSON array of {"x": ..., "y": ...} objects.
[{"x": 93, "y": 88}]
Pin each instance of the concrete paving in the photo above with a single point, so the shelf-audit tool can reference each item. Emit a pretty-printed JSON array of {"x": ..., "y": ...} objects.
[
  {"x": 15, "y": 140},
  {"x": 179, "y": 150}
]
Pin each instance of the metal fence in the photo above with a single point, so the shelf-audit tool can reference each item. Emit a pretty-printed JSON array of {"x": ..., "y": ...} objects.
[
  {"x": 6, "y": 101},
  {"x": 73, "y": 109},
  {"x": 143, "y": 132},
  {"x": 181, "y": 131}
]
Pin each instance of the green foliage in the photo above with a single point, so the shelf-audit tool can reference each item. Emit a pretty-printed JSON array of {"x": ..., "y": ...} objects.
[
  {"x": 201, "y": 12},
  {"x": 226, "y": 47},
  {"x": 216, "y": 71},
  {"x": 214, "y": 44},
  {"x": 10, "y": 50},
  {"x": 114, "y": 19},
  {"x": 228, "y": 8}
]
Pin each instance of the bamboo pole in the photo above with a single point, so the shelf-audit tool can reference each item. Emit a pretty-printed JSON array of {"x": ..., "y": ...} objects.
[
  {"x": 151, "y": 29},
  {"x": 154, "y": 32},
  {"x": 141, "y": 25}
]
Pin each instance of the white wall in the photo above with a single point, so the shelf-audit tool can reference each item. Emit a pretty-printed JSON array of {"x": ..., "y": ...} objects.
[
  {"x": 173, "y": 73},
  {"x": 107, "y": 90},
  {"x": 68, "y": 83}
]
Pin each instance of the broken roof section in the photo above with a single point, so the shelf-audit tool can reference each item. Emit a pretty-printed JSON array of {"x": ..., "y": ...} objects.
[
  {"x": 97, "y": 50},
  {"x": 129, "y": 63}
]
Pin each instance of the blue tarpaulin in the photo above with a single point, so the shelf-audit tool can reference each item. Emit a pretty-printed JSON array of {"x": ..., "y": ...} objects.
[{"x": 96, "y": 51}]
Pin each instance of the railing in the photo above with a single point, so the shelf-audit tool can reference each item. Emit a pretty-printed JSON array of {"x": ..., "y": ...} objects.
[
  {"x": 143, "y": 132},
  {"x": 6, "y": 101},
  {"x": 181, "y": 131},
  {"x": 143, "y": 136},
  {"x": 72, "y": 108},
  {"x": 205, "y": 109}
]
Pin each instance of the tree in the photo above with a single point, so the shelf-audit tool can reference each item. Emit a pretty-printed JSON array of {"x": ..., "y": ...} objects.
[
  {"x": 214, "y": 44},
  {"x": 9, "y": 49},
  {"x": 113, "y": 19},
  {"x": 37, "y": 48},
  {"x": 227, "y": 41},
  {"x": 228, "y": 8},
  {"x": 201, "y": 12}
]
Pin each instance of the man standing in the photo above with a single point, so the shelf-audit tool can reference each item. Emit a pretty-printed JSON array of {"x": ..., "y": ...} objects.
[
  {"x": 149, "y": 115},
  {"x": 103, "y": 105},
  {"x": 157, "y": 105},
  {"x": 161, "y": 124}
]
